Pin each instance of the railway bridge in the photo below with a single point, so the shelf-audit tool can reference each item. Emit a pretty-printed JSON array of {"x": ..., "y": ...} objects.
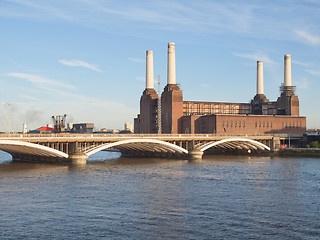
[{"x": 76, "y": 148}]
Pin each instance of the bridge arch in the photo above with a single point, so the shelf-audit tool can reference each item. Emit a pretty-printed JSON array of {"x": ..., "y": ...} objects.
[
  {"x": 235, "y": 143},
  {"x": 140, "y": 144},
  {"x": 19, "y": 148}
]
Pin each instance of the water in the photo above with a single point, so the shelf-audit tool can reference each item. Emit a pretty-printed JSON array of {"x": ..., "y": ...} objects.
[{"x": 222, "y": 197}]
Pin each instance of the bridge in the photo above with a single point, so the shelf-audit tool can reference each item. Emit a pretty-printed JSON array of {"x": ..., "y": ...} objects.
[{"x": 76, "y": 148}]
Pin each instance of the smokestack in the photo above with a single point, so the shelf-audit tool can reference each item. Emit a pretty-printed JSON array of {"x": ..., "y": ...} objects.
[
  {"x": 260, "y": 77},
  {"x": 149, "y": 69},
  {"x": 171, "y": 64},
  {"x": 287, "y": 71}
]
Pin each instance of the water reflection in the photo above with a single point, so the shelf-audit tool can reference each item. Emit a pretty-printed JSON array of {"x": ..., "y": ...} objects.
[
  {"x": 5, "y": 157},
  {"x": 222, "y": 197}
]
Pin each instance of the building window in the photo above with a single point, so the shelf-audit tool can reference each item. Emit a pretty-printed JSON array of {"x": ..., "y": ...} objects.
[
  {"x": 223, "y": 123},
  {"x": 259, "y": 123},
  {"x": 290, "y": 124},
  {"x": 271, "y": 124},
  {"x": 231, "y": 124},
  {"x": 235, "y": 123},
  {"x": 244, "y": 123},
  {"x": 293, "y": 124},
  {"x": 282, "y": 124},
  {"x": 227, "y": 123},
  {"x": 263, "y": 124},
  {"x": 286, "y": 124},
  {"x": 256, "y": 124},
  {"x": 239, "y": 123},
  {"x": 267, "y": 124}
]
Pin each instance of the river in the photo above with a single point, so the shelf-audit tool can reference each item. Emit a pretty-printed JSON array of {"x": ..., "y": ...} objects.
[{"x": 221, "y": 197}]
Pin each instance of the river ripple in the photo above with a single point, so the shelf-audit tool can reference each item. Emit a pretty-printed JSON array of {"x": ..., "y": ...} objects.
[{"x": 222, "y": 197}]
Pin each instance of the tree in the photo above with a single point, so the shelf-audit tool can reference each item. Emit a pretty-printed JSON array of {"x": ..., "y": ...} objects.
[{"x": 315, "y": 144}]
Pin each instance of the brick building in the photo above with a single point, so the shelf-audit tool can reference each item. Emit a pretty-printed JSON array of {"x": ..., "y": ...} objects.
[{"x": 260, "y": 116}]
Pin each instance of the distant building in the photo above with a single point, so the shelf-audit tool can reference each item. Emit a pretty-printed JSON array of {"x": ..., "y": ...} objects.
[
  {"x": 82, "y": 128},
  {"x": 43, "y": 130},
  {"x": 259, "y": 116},
  {"x": 108, "y": 131},
  {"x": 128, "y": 127},
  {"x": 25, "y": 128},
  {"x": 104, "y": 130},
  {"x": 69, "y": 126},
  {"x": 115, "y": 131}
]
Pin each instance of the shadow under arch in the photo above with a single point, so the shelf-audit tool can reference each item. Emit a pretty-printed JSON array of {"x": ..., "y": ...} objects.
[
  {"x": 141, "y": 145},
  {"x": 19, "y": 148},
  {"x": 235, "y": 143}
]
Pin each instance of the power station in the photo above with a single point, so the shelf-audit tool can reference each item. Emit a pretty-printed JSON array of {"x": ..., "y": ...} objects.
[{"x": 259, "y": 116}]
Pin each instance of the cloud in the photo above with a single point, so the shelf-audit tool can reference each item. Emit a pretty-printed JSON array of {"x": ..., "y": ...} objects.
[
  {"x": 35, "y": 10},
  {"x": 302, "y": 63},
  {"x": 79, "y": 63},
  {"x": 255, "y": 57},
  {"x": 141, "y": 79},
  {"x": 303, "y": 83},
  {"x": 308, "y": 37},
  {"x": 203, "y": 16},
  {"x": 33, "y": 115},
  {"x": 41, "y": 82},
  {"x": 29, "y": 97},
  {"x": 316, "y": 73},
  {"x": 206, "y": 16},
  {"x": 137, "y": 60},
  {"x": 15, "y": 63}
]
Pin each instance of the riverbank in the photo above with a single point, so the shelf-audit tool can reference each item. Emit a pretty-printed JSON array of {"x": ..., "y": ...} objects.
[{"x": 298, "y": 152}]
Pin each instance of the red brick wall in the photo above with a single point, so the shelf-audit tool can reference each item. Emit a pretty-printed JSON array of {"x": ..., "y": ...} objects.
[
  {"x": 294, "y": 106},
  {"x": 171, "y": 108},
  {"x": 243, "y": 124},
  {"x": 187, "y": 124},
  {"x": 289, "y": 103},
  {"x": 264, "y": 124},
  {"x": 148, "y": 107},
  {"x": 137, "y": 124}
]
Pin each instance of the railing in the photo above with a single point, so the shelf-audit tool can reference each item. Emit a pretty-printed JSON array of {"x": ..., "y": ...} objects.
[{"x": 99, "y": 135}]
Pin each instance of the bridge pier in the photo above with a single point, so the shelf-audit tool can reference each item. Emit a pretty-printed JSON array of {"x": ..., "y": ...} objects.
[
  {"x": 78, "y": 158},
  {"x": 195, "y": 154},
  {"x": 275, "y": 144}
]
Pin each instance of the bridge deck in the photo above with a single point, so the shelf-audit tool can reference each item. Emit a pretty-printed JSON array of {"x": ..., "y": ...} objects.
[
  {"x": 67, "y": 137},
  {"x": 68, "y": 145}
]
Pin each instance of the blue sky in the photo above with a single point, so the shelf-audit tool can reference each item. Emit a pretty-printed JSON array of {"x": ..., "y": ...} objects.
[{"x": 86, "y": 58}]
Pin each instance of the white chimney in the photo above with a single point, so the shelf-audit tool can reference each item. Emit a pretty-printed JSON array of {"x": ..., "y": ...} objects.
[
  {"x": 287, "y": 71},
  {"x": 260, "y": 77},
  {"x": 171, "y": 64},
  {"x": 149, "y": 70}
]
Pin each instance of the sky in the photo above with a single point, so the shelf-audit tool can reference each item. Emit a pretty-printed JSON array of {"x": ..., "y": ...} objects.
[{"x": 86, "y": 58}]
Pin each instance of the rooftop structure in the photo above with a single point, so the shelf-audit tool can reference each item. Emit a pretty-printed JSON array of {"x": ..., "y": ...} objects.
[{"x": 82, "y": 128}]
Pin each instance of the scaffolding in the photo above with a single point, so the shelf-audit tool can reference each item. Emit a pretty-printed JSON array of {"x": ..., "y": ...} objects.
[
  {"x": 59, "y": 123},
  {"x": 208, "y": 108},
  {"x": 159, "y": 106}
]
